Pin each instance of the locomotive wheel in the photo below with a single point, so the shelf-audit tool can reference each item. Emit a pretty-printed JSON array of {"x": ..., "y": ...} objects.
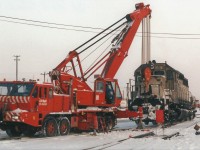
[
  {"x": 14, "y": 131},
  {"x": 146, "y": 122},
  {"x": 137, "y": 121},
  {"x": 50, "y": 127},
  {"x": 154, "y": 122},
  {"x": 190, "y": 118},
  {"x": 64, "y": 126},
  {"x": 193, "y": 116}
]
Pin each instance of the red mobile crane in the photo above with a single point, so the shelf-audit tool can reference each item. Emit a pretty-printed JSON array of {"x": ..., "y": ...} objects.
[{"x": 69, "y": 102}]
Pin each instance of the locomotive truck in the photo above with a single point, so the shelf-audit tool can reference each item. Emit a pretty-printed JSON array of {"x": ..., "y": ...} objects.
[
  {"x": 68, "y": 102},
  {"x": 159, "y": 86}
]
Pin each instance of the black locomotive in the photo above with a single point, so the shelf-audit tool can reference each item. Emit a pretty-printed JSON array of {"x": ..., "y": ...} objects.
[{"x": 159, "y": 86}]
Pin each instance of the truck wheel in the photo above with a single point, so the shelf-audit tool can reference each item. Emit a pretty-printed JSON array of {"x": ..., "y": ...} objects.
[
  {"x": 29, "y": 132},
  {"x": 64, "y": 126},
  {"x": 50, "y": 127},
  {"x": 13, "y": 131}
]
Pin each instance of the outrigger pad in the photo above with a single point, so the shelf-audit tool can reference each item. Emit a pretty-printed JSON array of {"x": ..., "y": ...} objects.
[
  {"x": 197, "y": 133},
  {"x": 196, "y": 127}
]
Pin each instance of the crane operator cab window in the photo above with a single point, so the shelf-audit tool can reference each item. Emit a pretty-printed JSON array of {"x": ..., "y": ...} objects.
[
  {"x": 99, "y": 86},
  {"x": 110, "y": 96}
]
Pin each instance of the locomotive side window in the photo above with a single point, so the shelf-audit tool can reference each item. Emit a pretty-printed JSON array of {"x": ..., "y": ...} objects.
[
  {"x": 185, "y": 82},
  {"x": 138, "y": 78},
  {"x": 169, "y": 75},
  {"x": 159, "y": 72}
]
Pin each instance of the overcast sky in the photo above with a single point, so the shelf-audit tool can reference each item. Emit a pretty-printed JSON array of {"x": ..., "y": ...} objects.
[{"x": 41, "y": 49}]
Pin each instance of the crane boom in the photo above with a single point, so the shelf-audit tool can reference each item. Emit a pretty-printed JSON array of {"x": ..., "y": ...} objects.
[
  {"x": 110, "y": 62},
  {"x": 124, "y": 40}
]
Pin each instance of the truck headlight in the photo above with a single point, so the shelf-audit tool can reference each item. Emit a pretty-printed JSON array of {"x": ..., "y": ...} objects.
[{"x": 15, "y": 117}]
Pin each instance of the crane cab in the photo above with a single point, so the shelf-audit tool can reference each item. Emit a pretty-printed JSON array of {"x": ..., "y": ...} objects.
[{"x": 107, "y": 92}]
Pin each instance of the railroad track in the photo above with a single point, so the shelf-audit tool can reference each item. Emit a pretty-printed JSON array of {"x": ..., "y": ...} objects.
[
  {"x": 20, "y": 138},
  {"x": 171, "y": 135},
  {"x": 10, "y": 138},
  {"x": 177, "y": 133},
  {"x": 111, "y": 144}
]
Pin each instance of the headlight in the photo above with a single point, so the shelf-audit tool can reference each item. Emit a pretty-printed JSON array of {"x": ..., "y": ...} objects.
[{"x": 15, "y": 117}]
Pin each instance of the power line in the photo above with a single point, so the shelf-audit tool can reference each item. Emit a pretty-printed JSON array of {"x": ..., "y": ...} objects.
[
  {"x": 46, "y": 26},
  {"x": 85, "y": 27},
  {"x": 88, "y": 31},
  {"x": 51, "y": 23}
]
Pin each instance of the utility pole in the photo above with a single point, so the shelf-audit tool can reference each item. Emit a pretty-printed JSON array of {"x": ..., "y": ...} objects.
[
  {"x": 127, "y": 88},
  {"x": 44, "y": 74},
  {"x": 16, "y": 60}
]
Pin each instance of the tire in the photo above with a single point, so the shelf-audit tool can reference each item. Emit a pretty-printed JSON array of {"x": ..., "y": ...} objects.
[
  {"x": 14, "y": 131},
  {"x": 64, "y": 126},
  {"x": 29, "y": 132},
  {"x": 50, "y": 127}
]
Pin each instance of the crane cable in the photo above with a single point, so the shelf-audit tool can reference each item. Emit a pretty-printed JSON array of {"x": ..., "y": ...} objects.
[
  {"x": 103, "y": 36},
  {"x": 98, "y": 35},
  {"x": 102, "y": 52}
]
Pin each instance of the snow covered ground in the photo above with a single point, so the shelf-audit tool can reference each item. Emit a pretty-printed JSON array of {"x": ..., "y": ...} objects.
[
  {"x": 113, "y": 140},
  {"x": 187, "y": 140}
]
